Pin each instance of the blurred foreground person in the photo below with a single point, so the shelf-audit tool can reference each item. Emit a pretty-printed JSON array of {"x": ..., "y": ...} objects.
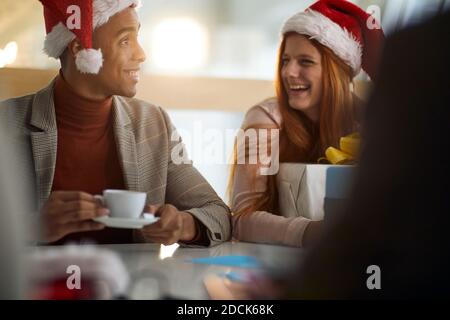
[
  {"x": 11, "y": 231},
  {"x": 41, "y": 273}
]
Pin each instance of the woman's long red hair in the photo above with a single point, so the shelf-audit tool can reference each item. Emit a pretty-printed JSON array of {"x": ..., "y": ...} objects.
[{"x": 302, "y": 140}]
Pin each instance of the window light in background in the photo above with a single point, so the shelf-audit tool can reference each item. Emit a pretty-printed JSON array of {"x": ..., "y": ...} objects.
[
  {"x": 8, "y": 54},
  {"x": 179, "y": 44}
]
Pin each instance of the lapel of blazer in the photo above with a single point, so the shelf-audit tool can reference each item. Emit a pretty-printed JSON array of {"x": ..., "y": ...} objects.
[
  {"x": 126, "y": 144},
  {"x": 44, "y": 142}
]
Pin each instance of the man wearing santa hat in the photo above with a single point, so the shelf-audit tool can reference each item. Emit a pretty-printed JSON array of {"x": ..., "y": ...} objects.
[{"x": 85, "y": 133}]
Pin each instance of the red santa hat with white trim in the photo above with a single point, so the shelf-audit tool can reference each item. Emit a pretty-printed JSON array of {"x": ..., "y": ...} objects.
[
  {"x": 350, "y": 32},
  {"x": 66, "y": 20}
]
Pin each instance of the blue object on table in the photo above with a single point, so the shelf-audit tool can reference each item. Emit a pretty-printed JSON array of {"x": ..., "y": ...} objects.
[
  {"x": 339, "y": 181},
  {"x": 234, "y": 276},
  {"x": 230, "y": 261}
]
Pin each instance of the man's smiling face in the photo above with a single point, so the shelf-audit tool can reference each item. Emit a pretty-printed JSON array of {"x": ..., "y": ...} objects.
[{"x": 122, "y": 54}]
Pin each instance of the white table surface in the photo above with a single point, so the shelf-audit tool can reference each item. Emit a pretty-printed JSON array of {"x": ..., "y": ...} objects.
[{"x": 176, "y": 277}]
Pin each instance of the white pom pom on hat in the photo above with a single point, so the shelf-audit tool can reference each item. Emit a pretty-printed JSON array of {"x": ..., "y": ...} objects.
[
  {"x": 93, "y": 14},
  {"x": 89, "y": 61}
]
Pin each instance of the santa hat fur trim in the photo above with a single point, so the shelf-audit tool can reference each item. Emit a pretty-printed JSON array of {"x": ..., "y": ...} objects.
[
  {"x": 103, "y": 10},
  {"x": 56, "y": 41},
  {"x": 328, "y": 33}
]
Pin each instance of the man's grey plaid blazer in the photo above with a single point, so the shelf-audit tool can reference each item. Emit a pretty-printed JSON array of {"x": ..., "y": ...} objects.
[{"x": 143, "y": 138}]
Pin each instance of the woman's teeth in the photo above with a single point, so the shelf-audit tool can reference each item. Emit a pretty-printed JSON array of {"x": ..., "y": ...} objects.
[{"x": 299, "y": 87}]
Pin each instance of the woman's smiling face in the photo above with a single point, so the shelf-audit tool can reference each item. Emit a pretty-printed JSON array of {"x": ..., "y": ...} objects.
[{"x": 301, "y": 71}]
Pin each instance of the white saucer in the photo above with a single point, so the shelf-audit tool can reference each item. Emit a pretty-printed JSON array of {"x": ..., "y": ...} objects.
[{"x": 127, "y": 223}]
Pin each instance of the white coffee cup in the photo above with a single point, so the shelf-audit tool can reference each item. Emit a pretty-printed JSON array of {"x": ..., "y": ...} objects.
[{"x": 124, "y": 203}]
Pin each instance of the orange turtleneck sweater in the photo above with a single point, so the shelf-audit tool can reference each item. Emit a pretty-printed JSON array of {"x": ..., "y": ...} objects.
[{"x": 87, "y": 158}]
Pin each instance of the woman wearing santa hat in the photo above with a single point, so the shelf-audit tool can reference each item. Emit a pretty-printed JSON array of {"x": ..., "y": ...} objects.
[{"x": 322, "y": 49}]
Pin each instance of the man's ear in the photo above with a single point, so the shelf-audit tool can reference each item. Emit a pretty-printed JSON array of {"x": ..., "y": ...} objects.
[{"x": 74, "y": 47}]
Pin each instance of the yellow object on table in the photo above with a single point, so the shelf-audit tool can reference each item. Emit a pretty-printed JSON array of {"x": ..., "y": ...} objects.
[{"x": 347, "y": 152}]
